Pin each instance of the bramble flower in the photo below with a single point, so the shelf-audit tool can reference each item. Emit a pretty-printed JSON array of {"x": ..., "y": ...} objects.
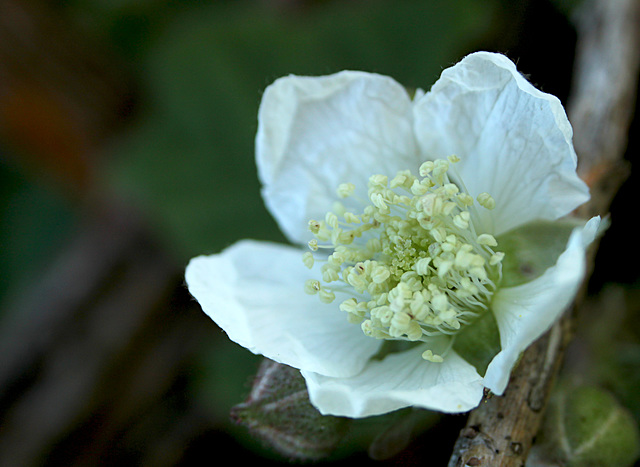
[{"x": 436, "y": 247}]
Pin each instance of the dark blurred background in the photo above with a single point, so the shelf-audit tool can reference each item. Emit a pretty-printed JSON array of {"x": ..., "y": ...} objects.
[{"x": 126, "y": 148}]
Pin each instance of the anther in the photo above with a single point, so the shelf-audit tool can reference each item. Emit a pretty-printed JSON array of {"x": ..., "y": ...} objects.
[
  {"x": 431, "y": 357},
  {"x": 312, "y": 286},
  {"x": 307, "y": 259},
  {"x": 486, "y": 201},
  {"x": 487, "y": 239},
  {"x": 345, "y": 190}
]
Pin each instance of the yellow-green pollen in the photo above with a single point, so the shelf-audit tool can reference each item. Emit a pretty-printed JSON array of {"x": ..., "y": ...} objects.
[{"x": 412, "y": 260}]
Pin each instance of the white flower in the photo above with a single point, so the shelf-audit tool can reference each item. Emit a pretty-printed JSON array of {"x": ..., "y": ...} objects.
[{"x": 448, "y": 176}]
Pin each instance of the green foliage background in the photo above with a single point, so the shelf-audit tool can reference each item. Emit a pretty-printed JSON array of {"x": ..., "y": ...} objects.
[{"x": 190, "y": 156}]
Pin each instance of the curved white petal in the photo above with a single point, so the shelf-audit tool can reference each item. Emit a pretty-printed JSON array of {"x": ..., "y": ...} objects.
[
  {"x": 315, "y": 133},
  {"x": 399, "y": 380},
  {"x": 526, "y": 311},
  {"x": 254, "y": 292},
  {"x": 514, "y": 141}
]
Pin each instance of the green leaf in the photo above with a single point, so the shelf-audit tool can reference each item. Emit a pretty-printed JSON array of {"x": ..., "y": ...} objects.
[
  {"x": 586, "y": 426},
  {"x": 479, "y": 342}
]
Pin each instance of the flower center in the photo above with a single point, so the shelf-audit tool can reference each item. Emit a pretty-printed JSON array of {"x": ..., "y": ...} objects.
[{"x": 412, "y": 261}]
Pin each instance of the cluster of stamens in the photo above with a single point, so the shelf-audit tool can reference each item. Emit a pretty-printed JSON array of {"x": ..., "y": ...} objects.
[{"x": 412, "y": 261}]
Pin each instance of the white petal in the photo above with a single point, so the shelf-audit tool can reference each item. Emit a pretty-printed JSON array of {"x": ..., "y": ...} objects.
[
  {"x": 527, "y": 311},
  {"x": 315, "y": 133},
  {"x": 514, "y": 141},
  {"x": 254, "y": 291},
  {"x": 399, "y": 380}
]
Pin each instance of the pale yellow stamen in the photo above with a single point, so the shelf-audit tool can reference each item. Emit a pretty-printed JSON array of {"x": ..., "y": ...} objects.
[
  {"x": 307, "y": 259},
  {"x": 486, "y": 200},
  {"x": 345, "y": 190},
  {"x": 413, "y": 261}
]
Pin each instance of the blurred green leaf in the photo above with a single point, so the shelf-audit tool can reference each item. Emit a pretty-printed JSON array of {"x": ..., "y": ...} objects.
[
  {"x": 34, "y": 224},
  {"x": 586, "y": 426},
  {"x": 223, "y": 377},
  {"x": 190, "y": 161},
  {"x": 198, "y": 203},
  {"x": 608, "y": 349}
]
